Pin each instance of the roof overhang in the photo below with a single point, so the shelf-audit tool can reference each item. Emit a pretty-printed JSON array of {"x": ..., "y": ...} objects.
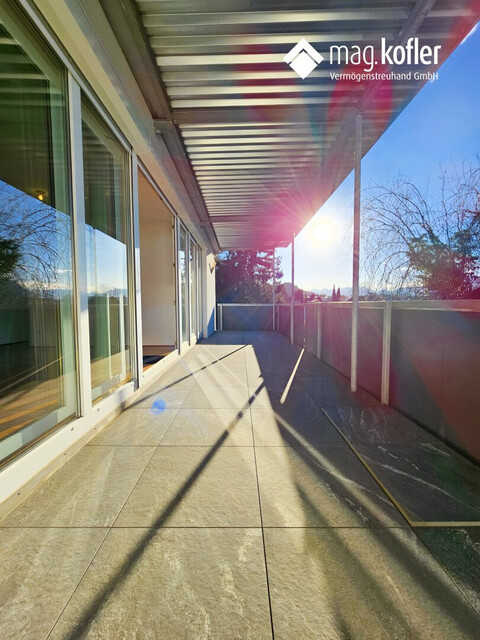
[{"x": 259, "y": 149}]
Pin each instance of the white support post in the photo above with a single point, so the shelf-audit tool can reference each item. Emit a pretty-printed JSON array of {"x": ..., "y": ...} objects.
[
  {"x": 274, "y": 297},
  {"x": 387, "y": 338},
  {"x": 188, "y": 284},
  {"x": 356, "y": 251},
  {"x": 80, "y": 251},
  {"x": 178, "y": 296},
  {"x": 292, "y": 297},
  {"x": 319, "y": 331},
  {"x": 137, "y": 270}
]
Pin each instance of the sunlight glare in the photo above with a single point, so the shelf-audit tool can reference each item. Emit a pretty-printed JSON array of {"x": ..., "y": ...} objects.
[{"x": 323, "y": 231}]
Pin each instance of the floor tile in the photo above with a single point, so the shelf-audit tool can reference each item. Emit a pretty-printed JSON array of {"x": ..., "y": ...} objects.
[
  {"x": 326, "y": 488},
  {"x": 174, "y": 383},
  {"x": 458, "y": 550},
  {"x": 171, "y": 584},
  {"x": 365, "y": 584},
  {"x": 88, "y": 491},
  {"x": 136, "y": 427},
  {"x": 40, "y": 570},
  {"x": 179, "y": 376},
  {"x": 195, "y": 487},
  {"x": 160, "y": 399},
  {"x": 203, "y": 427},
  {"x": 327, "y": 392},
  {"x": 294, "y": 408},
  {"x": 221, "y": 377},
  {"x": 430, "y": 482},
  {"x": 377, "y": 425},
  {"x": 217, "y": 398},
  {"x": 271, "y": 429}
]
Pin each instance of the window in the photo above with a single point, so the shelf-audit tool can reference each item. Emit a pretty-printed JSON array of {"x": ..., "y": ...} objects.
[
  {"x": 107, "y": 214},
  {"x": 38, "y": 386},
  {"x": 183, "y": 283}
]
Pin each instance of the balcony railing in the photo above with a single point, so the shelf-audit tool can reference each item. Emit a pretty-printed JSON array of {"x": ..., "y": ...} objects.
[{"x": 420, "y": 357}]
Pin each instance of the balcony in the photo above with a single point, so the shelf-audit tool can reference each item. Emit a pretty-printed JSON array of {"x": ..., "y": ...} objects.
[{"x": 249, "y": 494}]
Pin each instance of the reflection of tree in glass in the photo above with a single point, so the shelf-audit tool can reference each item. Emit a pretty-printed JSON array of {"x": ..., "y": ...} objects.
[{"x": 35, "y": 250}]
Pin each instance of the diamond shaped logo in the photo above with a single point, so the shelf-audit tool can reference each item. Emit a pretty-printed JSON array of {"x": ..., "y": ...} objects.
[{"x": 303, "y": 58}]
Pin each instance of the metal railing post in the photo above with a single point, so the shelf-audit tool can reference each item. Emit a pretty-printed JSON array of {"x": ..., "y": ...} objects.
[
  {"x": 292, "y": 297},
  {"x": 356, "y": 252},
  {"x": 387, "y": 338},
  {"x": 319, "y": 331},
  {"x": 274, "y": 297},
  {"x": 220, "y": 316}
]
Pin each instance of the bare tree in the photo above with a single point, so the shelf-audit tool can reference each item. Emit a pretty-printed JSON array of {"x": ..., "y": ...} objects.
[
  {"x": 424, "y": 242},
  {"x": 39, "y": 237}
]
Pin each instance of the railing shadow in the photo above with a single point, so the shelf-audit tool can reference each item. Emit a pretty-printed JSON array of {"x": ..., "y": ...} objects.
[{"x": 89, "y": 616}]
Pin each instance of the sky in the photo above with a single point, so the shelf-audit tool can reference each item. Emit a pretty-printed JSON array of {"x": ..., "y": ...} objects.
[{"x": 439, "y": 129}]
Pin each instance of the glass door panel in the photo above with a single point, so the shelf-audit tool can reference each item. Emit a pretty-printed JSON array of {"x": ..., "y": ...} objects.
[
  {"x": 182, "y": 283},
  {"x": 107, "y": 235},
  {"x": 38, "y": 385}
]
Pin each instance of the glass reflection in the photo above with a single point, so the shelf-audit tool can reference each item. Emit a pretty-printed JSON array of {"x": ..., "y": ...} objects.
[
  {"x": 37, "y": 350},
  {"x": 182, "y": 262},
  {"x": 193, "y": 288},
  {"x": 107, "y": 229}
]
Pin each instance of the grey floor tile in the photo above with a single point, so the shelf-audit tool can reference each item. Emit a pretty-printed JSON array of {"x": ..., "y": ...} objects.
[
  {"x": 377, "y": 425},
  {"x": 173, "y": 383},
  {"x": 158, "y": 399},
  {"x": 179, "y": 376},
  {"x": 328, "y": 392},
  {"x": 430, "y": 482},
  {"x": 88, "y": 491},
  {"x": 320, "y": 488},
  {"x": 203, "y": 427},
  {"x": 136, "y": 427},
  {"x": 40, "y": 569},
  {"x": 458, "y": 550},
  {"x": 172, "y": 584},
  {"x": 275, "y": 381},
  {"x": 219, "y": 376},
  {"x": 296, "y": 408},
  {"x": 216, "y": 398},
  {"x": 271, "y": 429},
  {"x": 366, "y": 584},
  {"x": 195, "y": 487}
]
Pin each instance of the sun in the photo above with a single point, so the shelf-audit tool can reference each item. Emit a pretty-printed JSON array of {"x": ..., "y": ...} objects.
[{"x": 323, "y": 231}]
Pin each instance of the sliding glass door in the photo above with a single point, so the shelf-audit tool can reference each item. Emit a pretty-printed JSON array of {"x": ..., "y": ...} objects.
[
  {"x": 106, "y": 171},
  {"x": 183, "y": 268},
  {"x": 195, "y": 289},
  {"x": 38, "y": 386}
]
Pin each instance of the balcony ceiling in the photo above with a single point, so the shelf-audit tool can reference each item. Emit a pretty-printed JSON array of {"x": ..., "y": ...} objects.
[{"x": 267, "y": 148}]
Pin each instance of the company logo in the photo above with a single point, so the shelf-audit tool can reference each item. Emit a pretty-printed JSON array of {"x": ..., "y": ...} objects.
[{"x": 303, "y": 58}]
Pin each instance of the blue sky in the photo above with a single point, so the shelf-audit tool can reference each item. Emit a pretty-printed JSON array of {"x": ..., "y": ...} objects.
[{"x": 439, "y": 129}]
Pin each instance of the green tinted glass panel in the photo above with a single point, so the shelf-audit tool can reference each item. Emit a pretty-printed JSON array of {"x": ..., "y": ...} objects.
[
  {"x": 107, "y": 230},
  {"x": 38, "y": 388}
]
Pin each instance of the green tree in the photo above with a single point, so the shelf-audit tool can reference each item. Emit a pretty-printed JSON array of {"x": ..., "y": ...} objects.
[
  {"x": 246, "y": 276},
  {"x": 9, "y": 256}
]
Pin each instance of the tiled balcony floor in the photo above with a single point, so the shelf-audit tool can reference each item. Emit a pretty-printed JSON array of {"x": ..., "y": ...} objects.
[{"x": 221, "y": 506}]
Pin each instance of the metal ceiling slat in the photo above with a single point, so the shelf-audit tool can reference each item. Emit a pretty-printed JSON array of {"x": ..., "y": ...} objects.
[
  {"x": 252, "y": 131},
  {"x": 225, "y": 18},
  {"x": 224, "y": 162},
  {"x": 193, "y": 143},
  {"x": 205, "y": 90},
  {"x": 259, "y": 147}
]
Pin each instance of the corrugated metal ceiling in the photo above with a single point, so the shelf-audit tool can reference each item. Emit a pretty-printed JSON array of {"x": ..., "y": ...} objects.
[{"x": 267, "y": 148}]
